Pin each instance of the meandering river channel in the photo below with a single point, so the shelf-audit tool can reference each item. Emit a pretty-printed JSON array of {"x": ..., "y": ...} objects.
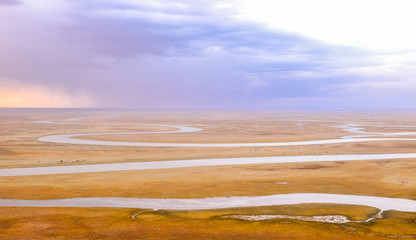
[{"x": 381, "y": 203}]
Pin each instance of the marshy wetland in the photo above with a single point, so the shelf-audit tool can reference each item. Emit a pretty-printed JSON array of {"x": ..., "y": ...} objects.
[{"x": 85, "y": 174}]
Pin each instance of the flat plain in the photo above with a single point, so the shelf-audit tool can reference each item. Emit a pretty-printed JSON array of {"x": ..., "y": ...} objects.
[{"x": 20, "y": 148}]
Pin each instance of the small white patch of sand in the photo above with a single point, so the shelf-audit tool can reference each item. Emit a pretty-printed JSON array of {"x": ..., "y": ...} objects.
[
  {"x": 339, "y": 219},
  {"x": 281, "y": 183}
]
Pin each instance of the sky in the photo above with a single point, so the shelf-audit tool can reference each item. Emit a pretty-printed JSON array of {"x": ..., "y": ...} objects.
[{"x": 208, "y": 54}]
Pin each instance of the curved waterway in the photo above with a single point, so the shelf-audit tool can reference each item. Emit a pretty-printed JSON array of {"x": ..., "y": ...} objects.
[
  {"x": 194, "y": 163},
  {"x": 72, "y": 139},
  {"x": 381, "y": 203}
]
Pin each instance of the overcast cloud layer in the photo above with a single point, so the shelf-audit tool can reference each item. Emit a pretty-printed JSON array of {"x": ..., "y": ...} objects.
[{"x": 188, "y": 54}]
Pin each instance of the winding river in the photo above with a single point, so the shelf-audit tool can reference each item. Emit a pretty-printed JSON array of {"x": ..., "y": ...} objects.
[{"x": 381, "y": 203}]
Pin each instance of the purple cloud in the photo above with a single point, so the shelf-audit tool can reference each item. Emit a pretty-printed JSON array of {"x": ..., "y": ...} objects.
[
  {"x": 175, "y": 54},
  {"x": 11, "y": 2}
]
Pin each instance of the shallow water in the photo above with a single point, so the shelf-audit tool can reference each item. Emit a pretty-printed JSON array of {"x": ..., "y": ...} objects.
[
  {"x": 71, "y": 138},
  {"x": 193, "y": 163},
  {"x": 381, "y": 203}
]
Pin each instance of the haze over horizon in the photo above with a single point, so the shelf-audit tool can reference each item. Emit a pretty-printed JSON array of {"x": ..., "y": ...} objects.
[{"x": 208, "y": 54}]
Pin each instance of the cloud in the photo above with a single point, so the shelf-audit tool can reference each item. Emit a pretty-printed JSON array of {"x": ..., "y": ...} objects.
[
  {"x": 379, "y": 25},
  {"x": 10, "y": 2},
  {"x": 174, "y": 54}
]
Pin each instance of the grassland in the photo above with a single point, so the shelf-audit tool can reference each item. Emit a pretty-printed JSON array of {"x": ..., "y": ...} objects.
[
  {"x": 19, "y": 148},
  {"x": 107, "y": 223}
]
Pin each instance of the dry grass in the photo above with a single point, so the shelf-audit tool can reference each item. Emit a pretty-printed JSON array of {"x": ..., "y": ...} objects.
[
  {"x": 105, "y": 223},
  {"x": 19, "y": 148},
  {"x": 393, "y": 178}
]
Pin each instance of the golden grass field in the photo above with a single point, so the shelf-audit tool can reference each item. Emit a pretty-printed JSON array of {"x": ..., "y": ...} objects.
[{"x": 386, "y": 178}]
